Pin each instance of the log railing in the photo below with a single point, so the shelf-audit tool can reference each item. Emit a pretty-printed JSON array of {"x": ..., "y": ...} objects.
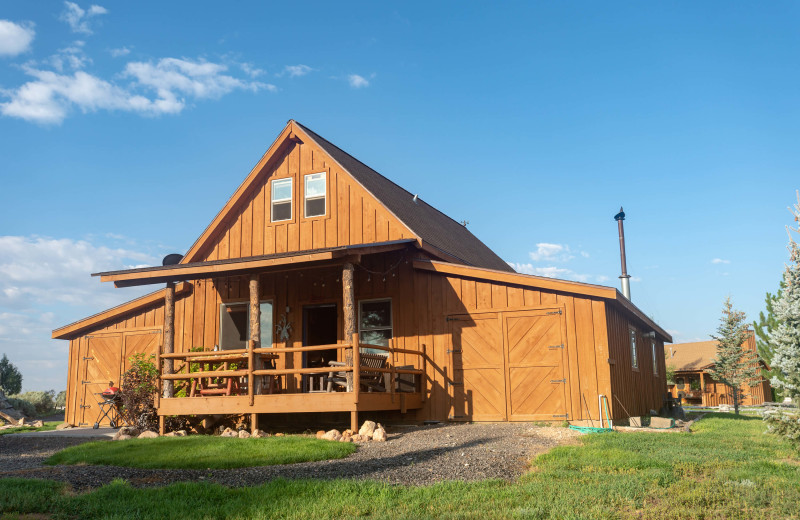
[{"x": 248, "y": 354}]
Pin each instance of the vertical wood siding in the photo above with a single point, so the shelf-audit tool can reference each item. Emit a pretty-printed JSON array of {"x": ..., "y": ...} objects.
[
  {"x": 353, "y": 216},
  {"x": 634, "y": 392},
  {"x": 421, "y": 303}
]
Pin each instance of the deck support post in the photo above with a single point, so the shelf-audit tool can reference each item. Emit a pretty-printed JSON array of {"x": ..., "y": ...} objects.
[
  {"x": 161, "y": 425},
  {"x": 253, "y": 423},
  {"x": 255, "y": 335},
  {"x": 354, "y": 421},
  {"x": 348, "y": 300},
  {"x": 703, "y": 388},
  {"x": 169, "y": 337}
]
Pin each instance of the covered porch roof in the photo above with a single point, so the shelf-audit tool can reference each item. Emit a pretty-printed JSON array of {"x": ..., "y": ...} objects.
[{"x": 198, "y": 270}]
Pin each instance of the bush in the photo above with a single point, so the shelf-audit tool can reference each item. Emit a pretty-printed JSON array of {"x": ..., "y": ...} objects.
[
  {"x": 138, "y": 393},
  {"x": 61, "y": 400},
  {"x": 784, "y": 424},
  {"x": 24, "y": 407},
  {"x": 36, "y": 403}
]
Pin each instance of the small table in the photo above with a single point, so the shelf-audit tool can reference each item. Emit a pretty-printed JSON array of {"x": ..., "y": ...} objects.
[{"x": 231, "y": 386}]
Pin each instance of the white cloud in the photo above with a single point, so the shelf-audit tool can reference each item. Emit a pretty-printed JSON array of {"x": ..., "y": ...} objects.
[
  {"x": 357, "y": 81},
  {"x": 602, "y": 278},
  {"x": 561, "y": 273},
  {"x": 297, "y": 70},
  {"x": 45, "y": 283},
  {"x": 38, "y": 270},
  {"x": 251, "y": 71},
  {"x": 720, "y": 261},
  {"x": 72, "y": 56},
  {"x": 551, "y": 253},
  {"x": 122, "y": 51},
  {"x": 78, "y": 18},
  {"x": 51, "y": 95},
  {"x": 15, "y": 38}
]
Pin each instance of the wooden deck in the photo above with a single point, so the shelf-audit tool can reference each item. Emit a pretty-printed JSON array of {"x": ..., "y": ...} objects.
[{"x": 291, "y": 403}]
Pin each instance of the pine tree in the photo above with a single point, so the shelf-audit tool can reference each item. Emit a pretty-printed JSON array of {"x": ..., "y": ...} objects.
[
  {"x": 786, "y": 337},
  {"x": 734, "y": 364},
  {"x": 764, "y": 327},
  {"x": 10, "y": 378}
]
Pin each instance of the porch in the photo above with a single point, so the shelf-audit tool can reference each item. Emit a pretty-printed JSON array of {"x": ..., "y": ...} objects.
[{"x": 242, "y": 385}]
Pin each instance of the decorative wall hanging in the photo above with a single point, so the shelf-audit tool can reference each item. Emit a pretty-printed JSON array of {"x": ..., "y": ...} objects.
[{"x": 283, "y": 328}]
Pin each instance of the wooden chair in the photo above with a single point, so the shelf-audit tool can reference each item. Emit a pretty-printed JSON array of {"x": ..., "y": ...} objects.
[{"x": 370, "y": 380}]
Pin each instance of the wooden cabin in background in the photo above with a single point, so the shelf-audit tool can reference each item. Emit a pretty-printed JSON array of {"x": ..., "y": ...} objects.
[
  {"x": 695, "y": 386},
  {"x": 316, "y": 253}
]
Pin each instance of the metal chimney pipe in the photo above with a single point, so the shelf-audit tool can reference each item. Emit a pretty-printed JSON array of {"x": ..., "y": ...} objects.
[{"x": 625, "y": 277}]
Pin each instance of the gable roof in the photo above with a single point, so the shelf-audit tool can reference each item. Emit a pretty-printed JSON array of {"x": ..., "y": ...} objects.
[
  {"x": 699, "y": 355},
  {"x": 434, "y": 230},
  {"x": 428, "y": 223},
  {"x": 691, "y": 356}
]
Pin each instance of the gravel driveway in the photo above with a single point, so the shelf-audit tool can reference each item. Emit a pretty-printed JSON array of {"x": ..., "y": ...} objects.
[{"x": 413, "y": 455}]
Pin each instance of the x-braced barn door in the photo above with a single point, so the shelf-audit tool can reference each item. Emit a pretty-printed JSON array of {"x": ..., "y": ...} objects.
[
  {"x": 478, "y": 387},
  {"x": 101, "y": 363},
  {"x": 508, "y": 365},
  {"x": 536, "y": 359}
]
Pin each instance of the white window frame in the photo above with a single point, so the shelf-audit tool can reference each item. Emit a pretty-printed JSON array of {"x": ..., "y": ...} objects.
[
  {"x": 655, "y": 359},
  {"x": 391, "y": 318},
  {"x": 225, "y": 305},
  {"x": 273, "y": 201},
  {"x": 324, "y": 196},
  {"x": 634, "y": 352}
]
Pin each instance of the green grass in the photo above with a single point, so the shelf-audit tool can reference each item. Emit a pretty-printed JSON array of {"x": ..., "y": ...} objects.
[
  {"x": 727, "y": 469},
  {"x": 50, "y": 425},
  {"x": 203, "y": 452}
]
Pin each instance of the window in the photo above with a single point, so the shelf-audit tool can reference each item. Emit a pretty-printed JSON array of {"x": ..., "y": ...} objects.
[
  {"x": 315, "y": 195},
  {"x": 234, "y": 325},
  {"x": 281, "y": 200},
  {"x": 655, "y": 359},
  {"x": 375, "y": 323},
  {"x": 634, "y": 354}
]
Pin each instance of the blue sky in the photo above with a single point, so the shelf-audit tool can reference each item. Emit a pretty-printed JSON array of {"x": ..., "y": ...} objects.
[{"x": 124, "y": 127}]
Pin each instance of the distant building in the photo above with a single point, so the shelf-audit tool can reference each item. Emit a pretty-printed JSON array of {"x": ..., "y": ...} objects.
[{"x": 695, "y": 386}]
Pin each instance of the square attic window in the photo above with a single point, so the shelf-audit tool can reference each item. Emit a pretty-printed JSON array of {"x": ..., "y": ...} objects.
[
  {"x": 315, "y": 195},
  {"x": 281, "y": 200}
]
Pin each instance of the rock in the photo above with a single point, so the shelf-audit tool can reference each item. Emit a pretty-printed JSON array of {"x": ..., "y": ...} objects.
[
  {"x": 261, "y": 433},
  {"x": 227, "y": 432},
  {"x": 348, "y": 432},
  {"x": 724, "y": 408},
  {"x": 379, "y": 435},
  {"x": 63, "y": 426},
  {"x": 36, "y": 424},
  {"x": 129, "y": 430},
  {"x": 359, "y": 438},
  {"x": 147, "y": 435},
  {"x": 243, "y": 434},
  {"x": 320, "y": 434},
  {"x": 280, "y": 435},
  {"x": 635, "y": 422},
  {"x": 661, "y": 422},
  {"x": 8, "y": 412},
  {"x": 367, "y": 429},
  {"x": 181, "y": 433},
  {"x": 121, "y": 437},
  {"x": 332, "y": 435},
  {"x": 346, "y": 438}
]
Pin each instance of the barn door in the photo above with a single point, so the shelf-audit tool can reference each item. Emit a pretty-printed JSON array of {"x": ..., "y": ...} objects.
[
  {"x": 536, "y": 351},
  {"x": 478, "y": 390},
  {"x": 101, "y": 365}
]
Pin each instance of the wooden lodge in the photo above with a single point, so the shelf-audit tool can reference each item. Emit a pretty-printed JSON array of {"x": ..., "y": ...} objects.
[
  {"x": 695, "y": 386},
  {"x": 318, "y": 264}
]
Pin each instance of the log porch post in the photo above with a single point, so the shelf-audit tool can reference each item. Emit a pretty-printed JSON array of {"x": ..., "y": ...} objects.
[
  {"x": 169, "y": 337},
  {"x": 255, "y": 329},
  {"x": 349, "y": 312}
]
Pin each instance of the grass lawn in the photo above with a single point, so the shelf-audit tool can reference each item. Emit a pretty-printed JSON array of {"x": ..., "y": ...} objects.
[
  {"x": 203, "y": 452},
  {"x": 49, "y": 425},
  {"x": 727, "y": 469}
]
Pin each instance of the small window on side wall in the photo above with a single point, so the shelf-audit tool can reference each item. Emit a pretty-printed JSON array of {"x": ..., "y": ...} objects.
[
  {"x": 634, "y": 353},
  {"x": 655, "y": 359},
  {"x": 281, "y": 200},
  {"x": 315, "y": 195}
]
